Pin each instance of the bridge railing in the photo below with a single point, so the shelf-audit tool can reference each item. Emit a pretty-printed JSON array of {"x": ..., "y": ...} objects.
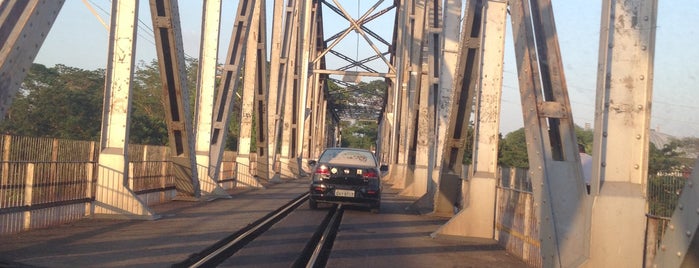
[
  {"x": 515, "y": 220},
  {"x": 46, "y": 182},
  {"x": 516, "y": 228}
]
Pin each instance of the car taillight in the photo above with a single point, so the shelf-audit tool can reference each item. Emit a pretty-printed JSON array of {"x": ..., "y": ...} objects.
[
  {"x": 370, "y": 174},
  {"x": 323, "y": 170}
]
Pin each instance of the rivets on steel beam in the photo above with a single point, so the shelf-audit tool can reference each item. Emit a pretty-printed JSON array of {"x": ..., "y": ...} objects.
[
  {"x": 604, "y": 164},
  {"x": 635, "y": 166},
  {"x": 680, "y": 206},
  {"x": 642, "y": 77},
  {"x": 638, "y": 137},
  {"x": 672, "y": 227},
  {"x": 688, "y": 233},
  {"x": 604, "y": 134},
  {"x": 640, "y": 107},
  {"x": 690, "y": 184},
  {"x": 644, "y": 48},
  {"x": 662, "y": 247},
  {"x": 679, "y": 254}
]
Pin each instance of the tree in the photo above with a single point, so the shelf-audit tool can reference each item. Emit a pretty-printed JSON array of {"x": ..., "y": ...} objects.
[
  {"x": 664, "y": 160},
  {"x": 513, "y": 150},
  {"x": 59, "y": 102},
  {"x": 362, "y": 134}
]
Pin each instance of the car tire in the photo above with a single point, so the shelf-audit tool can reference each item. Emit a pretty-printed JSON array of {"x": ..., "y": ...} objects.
[{"x": 312, "y": 204}]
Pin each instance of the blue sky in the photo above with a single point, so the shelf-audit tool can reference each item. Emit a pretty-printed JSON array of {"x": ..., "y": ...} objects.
[{"x": 78, "y": 39}]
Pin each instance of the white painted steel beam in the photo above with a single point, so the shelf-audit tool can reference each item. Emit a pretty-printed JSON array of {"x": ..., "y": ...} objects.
[
  {"x": 173, "y": 77},
  {"x": 223, "y": 104},
  {"x": 246, "y": 172},
  {"x": 289, "y": 165},
  {"x": 261, "y": 92},
  {"x": 303, "y": 63},
  {"x": 113, "y": 197},
  {"x": 275, "y": 92},
  {"x": 622, "y": 131},
  {"x": 414, "y": 65},
  {"x": 561, "y": 202},
  {"x": 477, "y": 218},
  {"x": 206, "y": 83},
  {"x": 447, "y": 76}
]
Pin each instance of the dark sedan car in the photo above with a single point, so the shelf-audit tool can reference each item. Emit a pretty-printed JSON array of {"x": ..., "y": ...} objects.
[{"x": 346, "y": 176}]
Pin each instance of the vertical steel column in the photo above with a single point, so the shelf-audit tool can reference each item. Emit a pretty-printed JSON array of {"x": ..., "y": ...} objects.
[
  {"x": 315, "y": 87},
  {"x": 622, "y": 123},
  {"x": 461, "y": 100},
  {"x": 274, "y": 94},
  {"x": 173, "y": 75},
  {"x": 24, "y": 26},
  {"x": 477, "y": 219},
  {"x": 112, "y": 178},
  {"x": 283, "y": 32},
  {"x": 262, "y": 90},
  {"x": 406, "y": 23},
  {"x": 424, "y": 180},
  {"x": 395, "y": 89},
  {"x": 251, "y": 86},
  {"x": 449, "y": 56},
  {"x": 303, "y": 63},
  {"x": 414, "y": 57},
  {"x": 223, "y": 105},
  {"x": 206, "y": 83},
  {"x": 289, "y": 167},
  {"x": 560, "y": 199}
]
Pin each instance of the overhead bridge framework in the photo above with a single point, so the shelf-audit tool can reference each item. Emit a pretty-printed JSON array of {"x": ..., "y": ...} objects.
[{"x": 443, "y": 67}]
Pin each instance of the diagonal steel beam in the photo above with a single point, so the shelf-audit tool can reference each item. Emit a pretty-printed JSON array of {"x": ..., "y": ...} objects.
[
  {"x": 173, "y": 75},
  {"x": 229, "y": 84}
]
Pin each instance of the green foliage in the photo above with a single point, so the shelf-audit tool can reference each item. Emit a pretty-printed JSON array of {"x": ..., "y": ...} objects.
[
  {"x": 664, "y": 160},
  {"x": 585, "y": 137},
  {"x": 468, "y": 149},
  {"x": 513, "y": 150},
  {"x": 59, "y": 102},
  {"x": 362, "y": 134}
]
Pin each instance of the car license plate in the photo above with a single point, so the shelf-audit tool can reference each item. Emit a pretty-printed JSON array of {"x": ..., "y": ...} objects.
[{"x": 345, "y": 193}]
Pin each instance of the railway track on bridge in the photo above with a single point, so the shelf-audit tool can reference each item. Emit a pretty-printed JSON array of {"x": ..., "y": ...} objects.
[{"x": 314, "y": 254}]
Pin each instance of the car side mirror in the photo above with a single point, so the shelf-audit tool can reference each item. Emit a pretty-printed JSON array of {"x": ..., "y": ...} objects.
[
  {"x": 312, "y": 162},
  {"x": 383, "y": 168}
]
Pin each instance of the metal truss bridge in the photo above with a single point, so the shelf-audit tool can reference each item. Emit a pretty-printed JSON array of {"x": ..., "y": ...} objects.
[{"x": 442, "y": 64}]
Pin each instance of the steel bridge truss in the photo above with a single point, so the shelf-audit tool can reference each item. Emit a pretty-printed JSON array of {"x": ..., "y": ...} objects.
[{"x": 443, "y": 70}]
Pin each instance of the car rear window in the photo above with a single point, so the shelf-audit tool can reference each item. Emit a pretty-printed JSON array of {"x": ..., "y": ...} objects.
[{"x": 348, "y": 157}]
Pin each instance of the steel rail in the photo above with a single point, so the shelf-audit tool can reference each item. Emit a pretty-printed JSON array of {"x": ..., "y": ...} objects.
[
  {"x": 226, "y": 247},
  {"x": 316, "y": 252}
]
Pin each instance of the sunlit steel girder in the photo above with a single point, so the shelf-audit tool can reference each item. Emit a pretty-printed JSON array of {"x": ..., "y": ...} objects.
[
  {"x": 460, "y": 102},
  {"x": 113, "y": 154},
  {"x": 173, "y": 77},
  {"x": 223, "y": 104},
  {"x": 206, "y": 84},
  {"x": 622, "y": 133},
  {"x": 253, "y": 103},
  {"x": 25, "y": 25},
  {"x": 560, "y": 200}
]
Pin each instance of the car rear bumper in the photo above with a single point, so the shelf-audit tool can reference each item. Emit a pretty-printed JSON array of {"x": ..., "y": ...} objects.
[{"x": 363, "y": 196}]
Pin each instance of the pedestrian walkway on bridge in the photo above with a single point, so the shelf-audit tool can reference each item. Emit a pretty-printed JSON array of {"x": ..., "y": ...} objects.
[{"x": 185, "y": 228}]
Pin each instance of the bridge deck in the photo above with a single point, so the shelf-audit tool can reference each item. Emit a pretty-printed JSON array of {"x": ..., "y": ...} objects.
[{"x": 189, "y": 227}]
